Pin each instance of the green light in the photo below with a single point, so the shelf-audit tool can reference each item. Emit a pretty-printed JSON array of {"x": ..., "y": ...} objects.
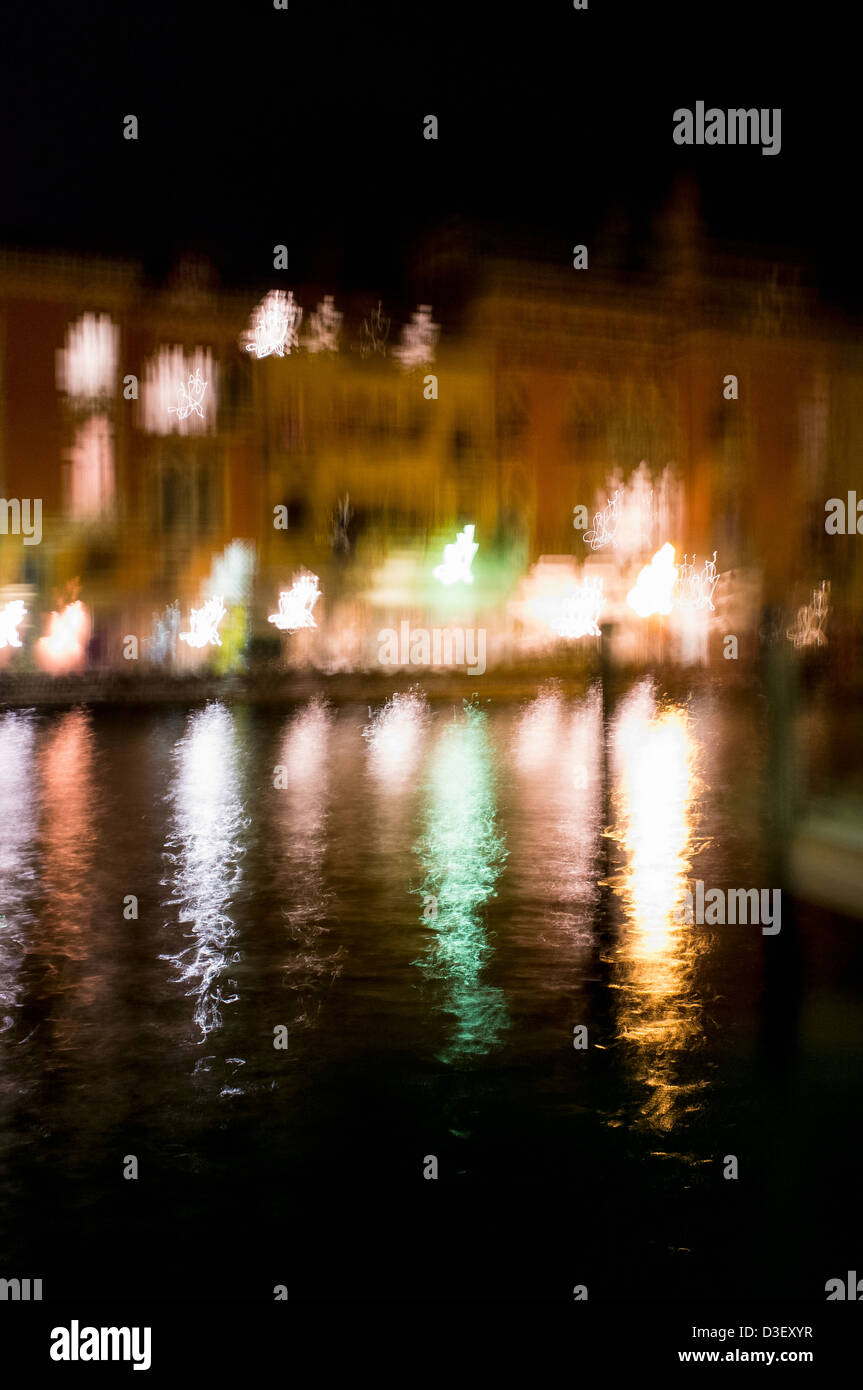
[{"x": 463, "y": 853}]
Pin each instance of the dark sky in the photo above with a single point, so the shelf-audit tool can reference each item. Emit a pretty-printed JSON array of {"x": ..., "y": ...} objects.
[{"x": 304, "y": 126}]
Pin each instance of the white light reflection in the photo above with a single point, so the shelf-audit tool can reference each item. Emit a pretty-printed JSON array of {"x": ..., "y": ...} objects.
[
  {"x": 557, "y": 752},
  {"x": 395, "y": 738},
  {"x": 19, "y": 819},
  {"x": 204, "y": 848},
  {"x": 299, "y": 850}
]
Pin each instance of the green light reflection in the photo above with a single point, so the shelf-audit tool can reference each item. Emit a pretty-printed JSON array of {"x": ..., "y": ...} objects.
[{"x": 462, "y": 852}]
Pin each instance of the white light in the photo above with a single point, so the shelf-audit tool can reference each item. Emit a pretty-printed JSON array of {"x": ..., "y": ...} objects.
[
  {"x": 577, "y": 614},
  {"x": 394, "y": 738},
  {"x": 10, "y": 619},
  {"x": 204, "y": 623},
  {"x": 232, "y": 572},
  {"x": 324, "y": 325},
  {"x": 419, "y": 338},
  {"x": 273, "y": 325},
  {"x": 173, "y": 388},
  {"x": 604, "y": 525},
  {"x": 807, "y": 631},
  {"x": 695, "y": 590},
  {"x": 296, "y": 604},
  {"x": 87, "y": 366},
  {"x": 653, "y": 589},
  {"x": 457, "y": 559},
  {"x": 190, "y": 397},
  {"x": 376, "y": 330}
]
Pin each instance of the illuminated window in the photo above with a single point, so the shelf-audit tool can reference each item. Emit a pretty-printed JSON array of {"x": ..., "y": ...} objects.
[
  {"x": 87, "y": 366},
  {"x": 90, "y": 471}
]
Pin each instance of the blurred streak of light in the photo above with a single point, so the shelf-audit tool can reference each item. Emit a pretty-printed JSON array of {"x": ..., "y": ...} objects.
[
  {"x": 69, "y": 796},
  {"x": 655, "y": 784},
  {"x": 807, "y": 630},
  {"x": 419, "y": 339},
  {"x": 232, "y": 572},
  {"x": 376, "y": 331},
  {"x": 204, "y": 847},
  {"x": 301, "y": 844},
  {"x": 457, "y": 559},
  {"x": 64, "y": 646},
  {"x": 87, "y": 366},
  {"x": 296, "y": 604},
  {"x": 604, "y": 524},
  {"x": 394, "y": 738},
  {"x": 575, "y": 614},
  {"x": 463, "y": 853},
  {"x": 273, "y": 326},
  {"x": 653, "y": 589},
  {"x": 19, "y": 818},
  {"x": 557, "y": 754},
  {"x": 166, "y": 405},
  {"x": 204, "y": 624},
  {"x": 190, "y": 398},
  {"x": 12, "y": 616},
  {"x": 91, "y": 470},
  {"x": 695, "y": 588},
  {"x": 324, "y": 327}
]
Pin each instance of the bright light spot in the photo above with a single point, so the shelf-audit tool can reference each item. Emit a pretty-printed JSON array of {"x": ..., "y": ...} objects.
[
  {"x": 604, "y": 525},
  {"x": 273, "y": 325},
  {"x": 204, "y": 847},
  {"x": 394, "y": 737},
  {"x": 191, "y": 397},
  {"x": 695, "y": 589},
  {"x": 575, "y": 614},
  {"x": 173, "y": 390},
  {"x": 232, "y": 572},
  {"x": 419, "y": 338},
  {"x": 655, "y": 584},
  {"x": 655, "y": 757},
  {"x": 86, "y": 367},
  {"x": 63, "y": 646},
  {"x": 457, "y": 559},
  {"x": 204, "y": 623},
  {"x": 296, "y": 604},
  {"x": 10, "y": 619}
]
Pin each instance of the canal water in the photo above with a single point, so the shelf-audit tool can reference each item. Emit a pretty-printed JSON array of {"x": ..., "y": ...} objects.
[{"x": 284, "y": 964}]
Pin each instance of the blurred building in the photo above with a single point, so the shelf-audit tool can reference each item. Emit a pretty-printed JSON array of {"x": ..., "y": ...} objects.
[{"x": 553, "y": 383}]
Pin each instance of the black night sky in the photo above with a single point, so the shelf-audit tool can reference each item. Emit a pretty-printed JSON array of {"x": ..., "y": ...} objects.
[{"x": 304, "y": 126}]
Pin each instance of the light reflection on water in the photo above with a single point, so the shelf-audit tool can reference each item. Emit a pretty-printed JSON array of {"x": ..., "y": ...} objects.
[
  {"x": 204, "y": 848},
  {"x": 69, "y": 796},
  {"x": 462, "y": 852},
  {"x": 447, "y": 1034},
  {"x": 655, "y": 757},
  {"x": 19, "y": 821},
  {"x": 497, "y": 817},
  {"x": 557, "y": 762},
  {"x": 299, "y": 853}
]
